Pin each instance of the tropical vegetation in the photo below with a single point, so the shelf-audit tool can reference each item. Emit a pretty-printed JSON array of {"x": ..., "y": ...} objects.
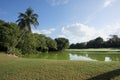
[
  {"x": 26, "y": 19},
  {"x": 18, "y": 38}
]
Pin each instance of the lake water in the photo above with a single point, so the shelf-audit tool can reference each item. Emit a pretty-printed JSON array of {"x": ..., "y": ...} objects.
[
  {"x": 90, "y": 56},
  {"x": 95, "y": 56}
]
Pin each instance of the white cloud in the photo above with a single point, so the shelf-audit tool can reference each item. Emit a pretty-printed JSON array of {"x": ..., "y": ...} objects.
[
  {"x": 108, "y": 3},
  {"x": 57, "y": 2},
  {"x": 81, "y": 33},
  {"x": 110, "y": 30},
  {"x": 46, "y": 32}
]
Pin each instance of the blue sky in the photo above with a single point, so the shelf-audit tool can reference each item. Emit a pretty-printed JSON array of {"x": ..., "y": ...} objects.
[{"x": 77, "y": 20}]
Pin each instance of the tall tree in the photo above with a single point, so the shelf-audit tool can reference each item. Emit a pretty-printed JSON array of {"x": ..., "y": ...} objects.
[
  {"x": 51, "y": 44},
  {"x": 95, "y": 43},
  {"x": 113, "y": 42},
  {"x": 62, "y": 43},
  {"x": 25, "y": 20}
]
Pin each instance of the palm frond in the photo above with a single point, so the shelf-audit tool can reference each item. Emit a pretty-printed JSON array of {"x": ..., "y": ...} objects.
[
  {"x": 29, "y": 12},
  {"x": 27, "y": 18},
  {"x": 22, "y": 15}
]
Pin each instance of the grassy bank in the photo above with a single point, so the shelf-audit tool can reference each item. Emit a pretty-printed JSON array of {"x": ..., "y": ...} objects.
[
  {"x": 97, "y": 49},
  {"x": 12, "y": 68}
]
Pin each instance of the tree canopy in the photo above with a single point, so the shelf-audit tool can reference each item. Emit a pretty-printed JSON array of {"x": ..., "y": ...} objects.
[
  {"x": 62, "y": 43},
  {"x": 18, "y": 38},
  {"x": 9, "y": 33},
  {"x": 30, "y": 43},
  {"x": 26, "y": 19},
  {"x": 112, "y": 42}
]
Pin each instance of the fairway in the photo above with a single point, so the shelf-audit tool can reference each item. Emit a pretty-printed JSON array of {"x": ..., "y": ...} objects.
[{"x": 12, "y": 68}]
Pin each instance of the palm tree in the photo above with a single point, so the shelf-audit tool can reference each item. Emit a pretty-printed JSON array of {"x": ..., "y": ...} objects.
[{"x": 26, "y": 19}]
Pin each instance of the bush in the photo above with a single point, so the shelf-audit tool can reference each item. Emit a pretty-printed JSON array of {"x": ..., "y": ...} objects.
[
  {"x": 15, "y": 51},
  {"x": 27, "y": 44}
]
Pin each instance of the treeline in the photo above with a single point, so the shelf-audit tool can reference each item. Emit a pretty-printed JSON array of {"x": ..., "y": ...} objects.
[
  {"x": 13, "y": 40},
  {"x": 112, "y": 42}
]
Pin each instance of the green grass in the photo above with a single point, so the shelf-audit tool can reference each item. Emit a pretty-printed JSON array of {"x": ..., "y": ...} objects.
[
  {"x": 95, "y": 50},
  {"x": 12, "y": 68}
]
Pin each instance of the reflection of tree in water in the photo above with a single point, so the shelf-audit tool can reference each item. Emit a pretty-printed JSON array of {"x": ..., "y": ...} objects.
[
  {"x": 100, "y": 56},
  {"x": 63, "y": 56},
  {"x": 80, "y": 57},
  {"x": 55, "y": 55}
]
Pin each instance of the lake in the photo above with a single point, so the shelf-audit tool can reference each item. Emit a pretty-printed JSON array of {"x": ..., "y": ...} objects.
[
  {"x": 95, "y": 56},
  {"x": 78, "y": 55}
]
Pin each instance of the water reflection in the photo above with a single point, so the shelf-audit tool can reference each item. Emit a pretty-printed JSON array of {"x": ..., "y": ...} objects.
[
  {"x": 91, "y": 56},
  {"x": 95, "y": 56},
  {"x": 76, "y": 57},
  {"x": 107, "y": 59}
]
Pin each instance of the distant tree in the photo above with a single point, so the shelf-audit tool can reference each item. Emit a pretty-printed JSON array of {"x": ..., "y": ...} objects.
[
  {"x": 51, "y": 44},
  {"x": 90, "y": 44},
  {"x": 82, "y": 45},
  {"x": 73, "y": 46},
  {"x": 41, "y": 42},
  {"x": 26, "y": 19},
  {"x": 62, "y": 43},
  {"x": 113, "y": 42},
  {"x": 95, "y": 43},
  {"x": 78, "y": 45},
  {"x": 99, "y": 42}
]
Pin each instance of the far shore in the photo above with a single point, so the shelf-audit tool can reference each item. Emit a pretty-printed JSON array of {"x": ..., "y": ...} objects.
[{"x": 97, "y": 49}]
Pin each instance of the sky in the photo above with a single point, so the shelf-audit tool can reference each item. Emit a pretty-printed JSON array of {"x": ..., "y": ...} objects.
[{"x": 76, "y": 20}]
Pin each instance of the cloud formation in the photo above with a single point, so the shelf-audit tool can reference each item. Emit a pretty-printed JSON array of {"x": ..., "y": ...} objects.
[
  {"x": 57, "y": 2},
  {"x": 46, "y": 32},
  {"x": 108, "y": 3},
  {"x": 80, "y": 33}
]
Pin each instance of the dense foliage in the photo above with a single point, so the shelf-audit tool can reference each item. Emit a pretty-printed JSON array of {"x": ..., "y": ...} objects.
[
  {"x": 16, "y": 41},
  {"x": 9, "y": 34},
  {"x": 18, "y": 38},
  {"x": 62, "y": 43},
  {"x": 112, "y": 42},
  {"x": 51, "y": 44}
]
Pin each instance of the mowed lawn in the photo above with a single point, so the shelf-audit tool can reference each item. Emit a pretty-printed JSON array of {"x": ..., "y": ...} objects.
[{"x": 12, "y": 68}]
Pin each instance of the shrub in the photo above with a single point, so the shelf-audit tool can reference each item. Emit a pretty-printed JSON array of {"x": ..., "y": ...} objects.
[
  {"x": 27, "y": 44},
  {"x": 15, "y": 51}
]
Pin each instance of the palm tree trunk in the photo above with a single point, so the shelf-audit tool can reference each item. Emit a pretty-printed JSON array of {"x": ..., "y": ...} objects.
[
  {"x": 29, "y": 27},
  {"x": 15, "y": 44}
]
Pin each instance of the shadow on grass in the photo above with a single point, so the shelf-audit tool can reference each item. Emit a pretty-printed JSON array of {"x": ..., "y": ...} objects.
[{"x": 107, "y": 76}]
